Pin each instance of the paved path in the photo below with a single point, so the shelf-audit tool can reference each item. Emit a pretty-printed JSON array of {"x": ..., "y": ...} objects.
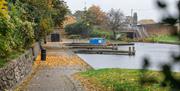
[
  {"x": 53, "y": 75},
  {"x": 55, "y": 79}
]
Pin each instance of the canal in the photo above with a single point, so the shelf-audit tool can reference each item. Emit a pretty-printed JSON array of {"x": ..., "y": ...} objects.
[{"x": 156, "y": 53}]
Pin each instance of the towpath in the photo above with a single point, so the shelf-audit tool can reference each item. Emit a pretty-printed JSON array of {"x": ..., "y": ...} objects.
[{"x": 55, "y": 74}]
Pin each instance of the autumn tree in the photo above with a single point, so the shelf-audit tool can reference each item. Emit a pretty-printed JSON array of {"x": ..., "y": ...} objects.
[
  {"x": 4, "y": 8},
  {"x": 95, "y": 15},
  {"x": 116, "y": 21}
]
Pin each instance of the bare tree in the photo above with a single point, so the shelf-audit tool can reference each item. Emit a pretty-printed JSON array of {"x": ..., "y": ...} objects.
[{"x": 116, "y": 21}]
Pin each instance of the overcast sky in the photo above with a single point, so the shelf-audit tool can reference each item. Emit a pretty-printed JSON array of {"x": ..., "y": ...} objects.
[{"x": 146, "y": 9}]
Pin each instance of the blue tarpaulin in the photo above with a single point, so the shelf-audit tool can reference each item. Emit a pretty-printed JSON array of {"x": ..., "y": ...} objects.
[{"x": 97, "y": 41}]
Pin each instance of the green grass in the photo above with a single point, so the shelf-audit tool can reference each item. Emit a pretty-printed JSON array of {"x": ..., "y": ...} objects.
[
  {"x": 160, "y": 39},
  {"x": 124, "y": 80},
  {"x": 167, "y": 38},
  {"x": 13, "y": 55}
]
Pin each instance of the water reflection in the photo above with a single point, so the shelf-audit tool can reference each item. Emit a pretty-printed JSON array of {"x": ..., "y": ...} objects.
[{"x": 157, "y": 53}]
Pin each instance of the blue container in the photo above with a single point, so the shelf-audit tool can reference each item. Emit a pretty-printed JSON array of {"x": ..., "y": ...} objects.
[{"x": 97, "y": 41}]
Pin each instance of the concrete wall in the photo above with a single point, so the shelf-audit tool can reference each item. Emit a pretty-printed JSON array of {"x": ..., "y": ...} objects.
[
  {"x": 160, "y": 29},
  {"x": 17, "y": 69},
  {"x": 56, "y": 31}
]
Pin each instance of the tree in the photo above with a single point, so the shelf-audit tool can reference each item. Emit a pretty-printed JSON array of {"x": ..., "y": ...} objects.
[
  {"x": 36, "y": 11},
  {"x": 43, "y": 10},
  {"x": 26, "y": 18},
  {"x": 78, "y": 28},
  {"x": 116, "y": 21},
  {"x": 95, "y": 15},
  {"x": 60, "y": 10}
]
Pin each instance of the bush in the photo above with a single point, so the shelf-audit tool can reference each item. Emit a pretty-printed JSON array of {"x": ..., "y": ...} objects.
[
  {"x": 97, "y": 32},
  {"x": 6, "y": 28},
  {"x": 79, "y": 28},
  {"x": 23, "y": 34},
  {"x": 15, "y": 34}
]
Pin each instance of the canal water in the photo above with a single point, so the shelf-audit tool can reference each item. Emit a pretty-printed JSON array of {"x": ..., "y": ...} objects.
[{"x": 158, "y": 54}]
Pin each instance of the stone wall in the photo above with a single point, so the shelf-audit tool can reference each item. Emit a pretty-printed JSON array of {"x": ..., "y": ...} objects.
[{"x": 17, "y": 69}]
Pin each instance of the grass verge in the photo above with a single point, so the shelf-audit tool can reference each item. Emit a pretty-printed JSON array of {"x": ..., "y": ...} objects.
[
  {"x": 120, "y": 80},
  {"x": 165, "y": 38},
  {"x": 169, "y": 39}
]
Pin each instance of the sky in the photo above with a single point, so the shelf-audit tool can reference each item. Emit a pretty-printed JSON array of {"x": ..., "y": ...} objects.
[{"x": 146, "y": 9}]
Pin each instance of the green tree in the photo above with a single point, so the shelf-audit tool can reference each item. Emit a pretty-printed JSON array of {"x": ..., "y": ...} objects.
[
  {"x": 60, "y": 10},
  {"x": 79, "y": 28},
  {"x": 43, "y": 10}
]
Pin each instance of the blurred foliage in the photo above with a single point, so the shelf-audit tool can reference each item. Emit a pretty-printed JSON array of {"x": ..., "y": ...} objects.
[{"x": 169, "y": 78}]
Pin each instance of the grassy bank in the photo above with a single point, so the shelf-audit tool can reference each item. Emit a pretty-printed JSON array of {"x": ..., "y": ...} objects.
[
  {"x": 165, "y": 39},
  {"x": 120, "y": 80},
  {"x": 169, "y": 39}
]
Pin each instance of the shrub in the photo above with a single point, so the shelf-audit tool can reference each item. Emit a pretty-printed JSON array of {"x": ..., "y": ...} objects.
[
  {"x": 23, "y": 34},
  {"x": 27, "y": 33},
  {"x": 97, "y": 32},
  {"x": 79, "y": 28},
  {"x": 6, "y": 28},
  {"x": 15, "y": 34}
]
